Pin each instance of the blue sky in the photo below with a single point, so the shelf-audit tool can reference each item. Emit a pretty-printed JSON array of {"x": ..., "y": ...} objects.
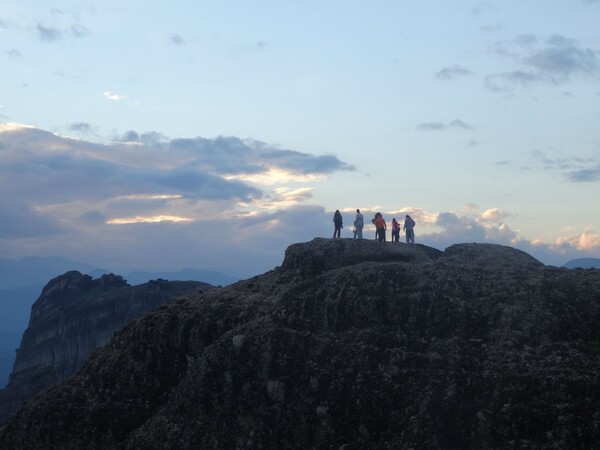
[{"x": 160, "y": 135}]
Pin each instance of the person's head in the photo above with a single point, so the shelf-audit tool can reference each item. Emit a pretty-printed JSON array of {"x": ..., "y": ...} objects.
[
  {"x": 407, "y": 216},
  {"x": 357, "y": 210}
]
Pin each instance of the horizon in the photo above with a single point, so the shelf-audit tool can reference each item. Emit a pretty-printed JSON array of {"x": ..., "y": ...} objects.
[{"x": 156, "y": 137}]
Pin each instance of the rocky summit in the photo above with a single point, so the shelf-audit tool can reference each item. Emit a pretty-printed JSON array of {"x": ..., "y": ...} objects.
[
  {"x": 348, "y": 344},
  {"x": 73, "y": 316}
]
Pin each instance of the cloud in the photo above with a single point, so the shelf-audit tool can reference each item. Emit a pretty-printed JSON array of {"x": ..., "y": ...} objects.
[
  {"x": 456, "y": 123},
  {"x": 574, "y": 168},
  {"x": 430, "y": 126},
  {"x": 176, "y": 39},
  {"x": 81, "y": 127},
  {"x": 585, "y": 175},
  {"x": 234, "y": 156},
  {"x": 79, "y": 31},
  {"x": 114, "y": 97},
  {"x": 13, "y": 53},
  {"x": 554, "y": 60},
  {"x": 488, "y": 227},
  {"x": 438, "y": 126},
  {"x": 148, "y": 195},
  {"x": 451, "y": 73},
  {"x": 48, "y": 34}
]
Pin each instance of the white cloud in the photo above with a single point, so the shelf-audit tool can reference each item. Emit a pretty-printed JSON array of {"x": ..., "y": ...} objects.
[{"x": 114, "y": 97}]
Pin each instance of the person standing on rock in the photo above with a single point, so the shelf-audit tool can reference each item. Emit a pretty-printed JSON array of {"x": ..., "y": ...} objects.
[
  {"x": 358, "y": 224},
  {"x": 409, "y": 225},
  {"x": 380, "y": 227},
  {"x": 395, "y": 231},
  {"x": 337, "y": 223}
]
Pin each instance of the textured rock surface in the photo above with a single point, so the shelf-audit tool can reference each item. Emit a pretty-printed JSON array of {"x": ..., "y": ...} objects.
[
  {"x": 73, "y": 316},
  {"x": 348, "y": 342}
]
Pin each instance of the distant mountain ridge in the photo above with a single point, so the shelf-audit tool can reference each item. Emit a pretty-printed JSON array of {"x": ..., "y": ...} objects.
[
  {"x": 36, "y": 271},
  {"x": 583, "y": 263},
  {"x": 207, "y": 276}
]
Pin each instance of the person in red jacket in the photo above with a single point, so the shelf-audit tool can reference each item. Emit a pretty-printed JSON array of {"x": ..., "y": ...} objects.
[
  {"x": 395, "y": 231},
  {"x": 380, "y": 226}
]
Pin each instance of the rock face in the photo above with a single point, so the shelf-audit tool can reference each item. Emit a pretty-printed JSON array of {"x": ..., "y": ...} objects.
[
  {"x": 369, "y": 344},
  {"x": 73, "y": 316}
]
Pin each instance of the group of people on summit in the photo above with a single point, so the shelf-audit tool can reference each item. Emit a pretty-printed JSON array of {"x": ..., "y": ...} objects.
[{"x": 380, "y": 227}]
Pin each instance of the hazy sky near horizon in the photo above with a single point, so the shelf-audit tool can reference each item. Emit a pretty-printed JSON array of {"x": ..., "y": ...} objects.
[{"x": 160, "y": 135}]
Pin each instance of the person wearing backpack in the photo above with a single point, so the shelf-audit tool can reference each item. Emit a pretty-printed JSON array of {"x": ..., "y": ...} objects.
[
  {"x": 409, "y": 225},
  {"x": 395, "y": 231}
]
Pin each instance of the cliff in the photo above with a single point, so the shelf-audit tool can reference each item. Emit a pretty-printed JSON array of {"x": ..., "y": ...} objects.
[
  {"x": 73, "y": 316},
  {"x": 348, "y": 342}
]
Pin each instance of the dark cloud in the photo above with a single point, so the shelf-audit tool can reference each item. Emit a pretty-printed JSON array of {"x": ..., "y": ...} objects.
[
  {"x": 81, "y": 127},
  {"x": 562, "y": 58},
  {"x": 13, "y": 53},
  {"x": 48, "y": 34},
  {"x": 450, "y": 73},
  {"x": 554, "y": 60},
  {"x": 230, "y": 155},
  {"x": 130, "y": 136},
  {"x": 456, "y": 123},
  {"x": 197, "y": 184},
  {"x": 438, "y": 126},
  {"x": 585, "y": 175},
  {"x": 430, "y": 126},
  {"x": 19, "y": 220},
  {"x": 304, "y": 163},
  {"x": 574, "y": 169},
  {"x": 79, "y": 31},
  {"x": 176, "y": 39},
  {"x": 492, "y": 28}
]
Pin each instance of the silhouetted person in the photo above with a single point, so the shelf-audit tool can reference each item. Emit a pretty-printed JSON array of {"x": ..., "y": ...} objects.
[
  {"x": 409, "y": 225},
  {"x": 358, "y": 224},
  {"x": 337, "y": 223},
  {"x": 395, "y": 231},
  {"x": 380, "y": 227}
]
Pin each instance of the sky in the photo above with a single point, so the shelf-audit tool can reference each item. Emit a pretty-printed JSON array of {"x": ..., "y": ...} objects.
[{"x": 152, "y": 135}]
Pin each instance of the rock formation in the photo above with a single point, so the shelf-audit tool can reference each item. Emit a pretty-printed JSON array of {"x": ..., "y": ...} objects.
[
  {"x": 73, "y": 316},
  {"x": 349, "y": 343}
]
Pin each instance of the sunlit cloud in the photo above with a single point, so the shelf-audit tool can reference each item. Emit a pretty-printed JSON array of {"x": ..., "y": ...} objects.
[
  {"x": 150, "y": 219},
  {"x": 13, "y": 126},
  {"x": 588, "y": 240},
  {"x": 274, "y": 176},
  {"x": 494, "y": 215},
  {"x": 149, "y": 197}
]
